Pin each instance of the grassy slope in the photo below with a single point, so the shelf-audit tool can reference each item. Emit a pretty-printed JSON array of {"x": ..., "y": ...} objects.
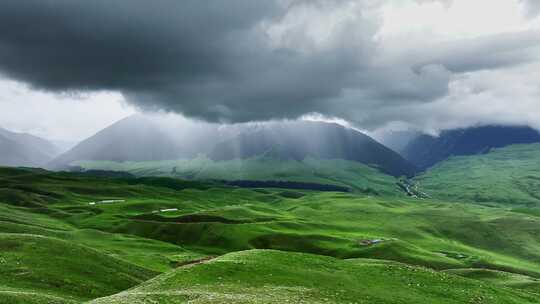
[
  {"x": 63, "y": 269},
  {"x": 54, "y": 202},
  {"x": 500, "y": 278},
  {"x": 213, "y": 220},
  {"x": 426, "y": 233},
  {"x": 509, "y": 175},
  {"x": 26, "y": 297},
  {"x": 46, "y": 259},
  {"x": 275, "y": 277},
  {"x": 350, "y": 174}
]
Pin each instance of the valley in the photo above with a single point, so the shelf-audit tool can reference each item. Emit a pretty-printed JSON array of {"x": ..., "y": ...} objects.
[
  {"x": 253, "y": 213},
  {"x": 207, "y": 238},
  {"x": 269, "y": 152}
]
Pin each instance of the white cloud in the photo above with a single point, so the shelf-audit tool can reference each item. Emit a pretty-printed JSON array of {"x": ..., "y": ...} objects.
[
  {"x": 507, "y": 97},
  {"x": 57, "y": 116},
  {"x": 439, "y": 20}
]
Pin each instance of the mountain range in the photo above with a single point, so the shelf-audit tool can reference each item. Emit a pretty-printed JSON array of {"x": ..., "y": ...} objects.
[
  {"x": 139, "y": 138},
  {"x": 21, "y": 149}
]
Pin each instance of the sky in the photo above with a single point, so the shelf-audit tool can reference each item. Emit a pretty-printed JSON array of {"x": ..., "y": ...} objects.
[{"x": 70, "y": 68}]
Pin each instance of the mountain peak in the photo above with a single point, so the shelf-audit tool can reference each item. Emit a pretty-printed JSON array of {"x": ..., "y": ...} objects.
[
  {"x": 298, "y": 140},
  {"x": 138, "y": 138}
]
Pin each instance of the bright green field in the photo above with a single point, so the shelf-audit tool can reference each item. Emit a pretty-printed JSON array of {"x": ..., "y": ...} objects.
[
  {"x": 58, "y": 247},
  {"x": 509, "y": 175},
  {"x": 354, "y": 175},
  {"x": 303, "y": 278}
]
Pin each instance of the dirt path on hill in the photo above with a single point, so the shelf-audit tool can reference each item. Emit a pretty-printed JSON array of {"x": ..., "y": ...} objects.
[{"x": 196, "y": 262}]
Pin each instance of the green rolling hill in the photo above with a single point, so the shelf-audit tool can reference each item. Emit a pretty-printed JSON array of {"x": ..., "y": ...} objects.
[
  {"x": 508, "y": 175},
  {"x": 350, "y": 174},
  {"x": 269, "y": 152},
  {"x": 265, "y": 276},
  {"x": 59, "y": 268},
  {"x": 138, "y": 228}
]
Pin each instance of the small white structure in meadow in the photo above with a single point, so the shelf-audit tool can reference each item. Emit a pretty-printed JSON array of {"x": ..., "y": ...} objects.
[
  {"x": 106, "y": 202},
  {"x": 165, "y": 210}
]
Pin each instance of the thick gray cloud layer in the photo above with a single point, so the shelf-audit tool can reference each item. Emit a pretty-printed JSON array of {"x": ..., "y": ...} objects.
[
  {"x": 239, "y": 60},
  {"x": 532, "y": 7},
  {"x": 123, "y": 44}
]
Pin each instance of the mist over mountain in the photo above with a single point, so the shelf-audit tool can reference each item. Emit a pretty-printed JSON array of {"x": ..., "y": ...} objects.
[
  {"x": 396, "y": 140},
  {"x": 425, "y": 150},
  {"x": 140, "y": 138},
  {"x": 300, "y": 139},
  {"x": 64, "y": 145},
  {"x": 20, "y": 149},
  {"x": 135, "y": 138}
]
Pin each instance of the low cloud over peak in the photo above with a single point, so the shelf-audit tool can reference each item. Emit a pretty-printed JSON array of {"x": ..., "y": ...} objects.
[{"x": 244, "y": 60}]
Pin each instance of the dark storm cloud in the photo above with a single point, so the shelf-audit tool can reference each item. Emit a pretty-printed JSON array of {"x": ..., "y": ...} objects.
[
  {"x": 122, "y": 44},
  {"x": 205, "y": 59},
  {"x": 232, "y": 60}
]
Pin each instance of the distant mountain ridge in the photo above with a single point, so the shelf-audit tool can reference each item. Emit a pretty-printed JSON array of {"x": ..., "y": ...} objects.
[
  {"x": 300, "y": 139},
  {"x": 426, "y": 150},
  {"x": 21, "y": 149},
  {"x": 134, "y": 138},
  {"x": 138, "y": 138}
]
